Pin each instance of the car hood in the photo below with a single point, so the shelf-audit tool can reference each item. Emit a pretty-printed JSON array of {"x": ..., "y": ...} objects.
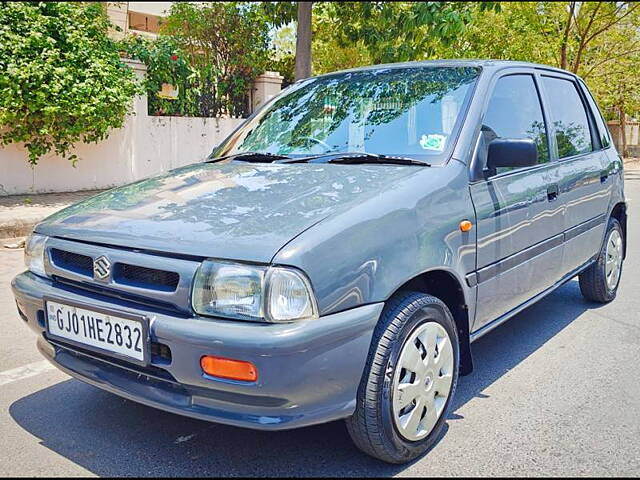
[{"x": 233, "y": 210}]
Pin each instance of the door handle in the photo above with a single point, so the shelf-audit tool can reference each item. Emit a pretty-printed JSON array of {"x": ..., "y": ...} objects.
[
  {"x": 552, "y": 192},
  {"x": 604, "y": 175}
]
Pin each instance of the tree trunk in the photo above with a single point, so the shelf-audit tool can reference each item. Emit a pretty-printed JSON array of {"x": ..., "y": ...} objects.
[
  {"x": 623, "y": 129},
  {"x": 565, "y": 38},
  {"x": 303, "y": 41}
]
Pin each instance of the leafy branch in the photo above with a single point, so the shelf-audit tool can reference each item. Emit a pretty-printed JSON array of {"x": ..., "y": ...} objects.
[{"x": 61, "y": 78}]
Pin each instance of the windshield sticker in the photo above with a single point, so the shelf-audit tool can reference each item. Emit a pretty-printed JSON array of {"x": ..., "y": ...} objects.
[{"x": 433, "y": 142}]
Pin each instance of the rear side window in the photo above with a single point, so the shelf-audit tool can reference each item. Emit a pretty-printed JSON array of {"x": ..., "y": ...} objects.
[
  {"x": 603, "y": 133},
  {"x": 568, "y": 117},
  {"x": 515, "y": 111}
]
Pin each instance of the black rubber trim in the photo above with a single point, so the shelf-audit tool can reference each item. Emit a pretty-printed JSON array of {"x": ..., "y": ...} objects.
[
  {"x": 490, "y": 271},
  {"x": 583, "y": 227}
]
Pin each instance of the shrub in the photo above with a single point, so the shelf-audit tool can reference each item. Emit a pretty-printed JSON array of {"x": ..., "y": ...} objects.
[
  {"x": 227, "y": 43},
  {"x": 61, "y": 77},
  {"x": 166, "y": 63}
]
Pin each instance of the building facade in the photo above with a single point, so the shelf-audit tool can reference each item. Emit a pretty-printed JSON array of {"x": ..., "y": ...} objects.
[{"x": 142, "y": 18}]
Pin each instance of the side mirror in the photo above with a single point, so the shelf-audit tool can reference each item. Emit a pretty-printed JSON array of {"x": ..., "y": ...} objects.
[{"x": 511, "y": 152}]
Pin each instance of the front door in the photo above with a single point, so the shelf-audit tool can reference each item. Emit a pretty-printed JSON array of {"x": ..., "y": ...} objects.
[{"x": 519, "y": 217}]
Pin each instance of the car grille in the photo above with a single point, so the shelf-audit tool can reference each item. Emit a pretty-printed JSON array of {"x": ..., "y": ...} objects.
[
  {"x": 159, "y": 280},
  {"x": 144, "y": 277},
  {"x": 123, "y": 273},
  {"x": 75, "y": 262}
]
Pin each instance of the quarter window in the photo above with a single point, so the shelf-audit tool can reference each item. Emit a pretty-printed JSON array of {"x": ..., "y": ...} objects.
[
  {"x": 603, "y": 133},
  {"x": 568, "y": 117},
  {"x": 515, "y": 111}
]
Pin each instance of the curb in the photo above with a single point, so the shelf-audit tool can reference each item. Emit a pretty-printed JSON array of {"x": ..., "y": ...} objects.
[
  {"x": 20, "y": 213},
  {"x": 17, "y": 228}
]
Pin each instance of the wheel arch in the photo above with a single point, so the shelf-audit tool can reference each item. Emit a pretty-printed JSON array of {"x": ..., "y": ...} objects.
[
  {"x": 445, "y": 286},
  {"x": 619, "y": 212}
]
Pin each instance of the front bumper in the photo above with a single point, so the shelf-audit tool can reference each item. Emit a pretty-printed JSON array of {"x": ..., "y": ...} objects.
[{"x": 308, "y": 372}]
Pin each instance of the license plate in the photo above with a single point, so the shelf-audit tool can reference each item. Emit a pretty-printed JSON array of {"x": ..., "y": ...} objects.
[{"x": 120, "y": 335}]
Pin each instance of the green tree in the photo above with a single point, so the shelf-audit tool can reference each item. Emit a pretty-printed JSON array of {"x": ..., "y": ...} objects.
[
  {"x": 166, "y": 63},
  {"x": 227, "y": 44},
  {"x": 279, "y": 14},
  {"x": 600, "y": 41},
  {"x": 518, "y": 31},
  {"x": 569, "y": 35},
  {"x": 618, "y": 89},
  {"x": 329, "y": 53},
  {"x": 61, "y": 77},
  {"x": 381, "y": 31},
  {"x": 402, "y": 31},
  {"x": 282, "y": 58},
  {"x": 588, "y": 23}
]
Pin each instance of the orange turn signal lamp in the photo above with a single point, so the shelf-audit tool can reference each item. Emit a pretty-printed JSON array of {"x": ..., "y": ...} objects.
[
  {"x": 229, "y": 368},
  {"x": 465, "y": 225}
]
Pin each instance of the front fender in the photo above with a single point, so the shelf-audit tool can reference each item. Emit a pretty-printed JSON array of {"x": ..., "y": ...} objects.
[{"x": 364, "y": 254}]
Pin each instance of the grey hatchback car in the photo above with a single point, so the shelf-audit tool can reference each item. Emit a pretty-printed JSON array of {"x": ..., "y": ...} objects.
[{"x": 336, "y": 256}]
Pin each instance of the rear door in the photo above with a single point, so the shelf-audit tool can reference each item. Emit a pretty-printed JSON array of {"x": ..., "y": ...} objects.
[
  {"x": 519, "y": 218},
  {"x": 582, "y": 167}
]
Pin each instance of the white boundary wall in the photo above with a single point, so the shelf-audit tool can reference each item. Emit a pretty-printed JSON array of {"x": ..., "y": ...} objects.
[{"x": 144, "y": 146}]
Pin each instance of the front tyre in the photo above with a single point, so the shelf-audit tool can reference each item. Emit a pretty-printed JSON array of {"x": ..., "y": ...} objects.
[
  {"x": 409, "y": 380},
  {"x": 599, "y": 282}
]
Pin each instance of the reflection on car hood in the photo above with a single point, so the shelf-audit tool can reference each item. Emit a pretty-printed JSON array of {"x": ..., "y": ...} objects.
[{"x": 229, "y": 210}]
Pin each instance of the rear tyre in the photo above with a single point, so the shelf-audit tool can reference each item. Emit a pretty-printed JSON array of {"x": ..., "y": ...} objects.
[
  {"x": 599, "y": 282},
  {"x": 409, "y": 380}
]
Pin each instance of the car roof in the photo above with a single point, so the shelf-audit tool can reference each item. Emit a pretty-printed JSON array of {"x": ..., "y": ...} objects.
[{"x": 485, "y": 64}]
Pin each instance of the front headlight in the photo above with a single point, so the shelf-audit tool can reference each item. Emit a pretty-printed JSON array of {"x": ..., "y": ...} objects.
[
  {"x": 249, "y": 292},
  {"x": 34, "y": 254}
]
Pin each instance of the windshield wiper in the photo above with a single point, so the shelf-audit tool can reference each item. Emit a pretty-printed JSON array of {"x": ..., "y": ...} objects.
[
  {"x": 334, "y": 157},
  {"x": 356, "y": 157},
  {"x": 249, "y": 156}
]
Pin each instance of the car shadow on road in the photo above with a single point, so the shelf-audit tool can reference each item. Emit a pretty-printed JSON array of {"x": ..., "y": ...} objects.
[{"x": 110, "y": 436}]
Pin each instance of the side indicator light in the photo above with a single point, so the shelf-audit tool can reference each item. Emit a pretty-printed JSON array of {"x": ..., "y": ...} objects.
[
  {"x": 229, "y": 368},
  {"x": 465, "y": 225}
]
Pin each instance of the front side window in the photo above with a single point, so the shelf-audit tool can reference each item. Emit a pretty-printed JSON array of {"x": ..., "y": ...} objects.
[
  {"x": 568, "y": 117},
  {"x": 514, "y": 111},
  {"x": 412, "y": 111}
]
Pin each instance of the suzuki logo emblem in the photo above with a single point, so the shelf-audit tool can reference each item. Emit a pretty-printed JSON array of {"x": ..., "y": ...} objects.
[{"x": 101, "y": 268}]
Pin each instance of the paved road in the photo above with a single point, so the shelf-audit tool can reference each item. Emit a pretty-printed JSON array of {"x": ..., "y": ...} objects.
[{"x": 556, "y": 391}]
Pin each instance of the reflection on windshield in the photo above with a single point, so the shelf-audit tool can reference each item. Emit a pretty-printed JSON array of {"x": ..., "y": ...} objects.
[{"x": 393, "y": 111}]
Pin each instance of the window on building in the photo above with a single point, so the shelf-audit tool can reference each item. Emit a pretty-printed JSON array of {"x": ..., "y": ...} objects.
[{"x": 144, "y": 22}]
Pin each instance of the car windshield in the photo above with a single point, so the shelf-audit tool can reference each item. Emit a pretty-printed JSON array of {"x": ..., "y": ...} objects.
[{"x": 411, "y": 111}]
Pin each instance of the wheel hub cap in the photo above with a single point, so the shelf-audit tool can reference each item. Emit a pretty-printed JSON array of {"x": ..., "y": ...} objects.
[
  {"x": 613, "y": 263},
  {"x": 422, "y": 380}
]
